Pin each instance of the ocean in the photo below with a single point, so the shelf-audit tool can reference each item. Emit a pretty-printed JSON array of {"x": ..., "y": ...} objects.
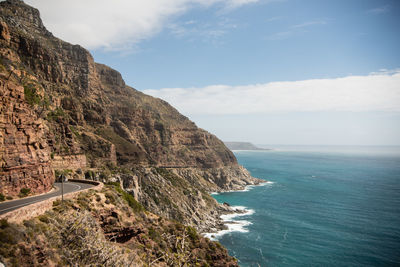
[{"x": 323, "y": 206}]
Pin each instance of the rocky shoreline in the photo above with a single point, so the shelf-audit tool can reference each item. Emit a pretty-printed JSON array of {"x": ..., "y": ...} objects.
[{"x": 226, "y": 209}]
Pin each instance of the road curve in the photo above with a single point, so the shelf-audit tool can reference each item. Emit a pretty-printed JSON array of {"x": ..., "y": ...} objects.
[{"x": 68, "y": 188}]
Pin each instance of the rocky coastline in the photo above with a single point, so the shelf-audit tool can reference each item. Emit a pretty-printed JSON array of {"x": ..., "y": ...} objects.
[{"x": 62, "y": 114}]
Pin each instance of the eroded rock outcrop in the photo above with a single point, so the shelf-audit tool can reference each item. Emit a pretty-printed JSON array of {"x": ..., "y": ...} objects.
[{"x": 24, "y": 151}]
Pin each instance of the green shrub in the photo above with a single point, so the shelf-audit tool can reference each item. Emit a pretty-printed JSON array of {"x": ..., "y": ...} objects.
[
  {"x": 74, "y": 130},
  {"x": 173, "y": 178},
  {"x": 132, "y": 202},
  {"x": 24, "y": 192},
  {"x": 116, "y": 184},
  {"x": 3, "y": 224},
  {"x": 192, "y": 233},
  {"x": 104, "y": 174},
  {"x": 110, "y": 197},
  {"x": 84, "y": 202},
  {"x": 136, "y": 206},
  {"x": 31, "y": 95},
  {"x": 111, "y": 166},
  {"x": 44, "y": 218},
  {"x": 55, "y": 114},
  {"x": 57, "y": 173},
  {"x": 56, "y": 202},
  {"x": 2, "y": 197},
  {"x": 90, "y": 175},
  {"x": 154, "y": 235}
]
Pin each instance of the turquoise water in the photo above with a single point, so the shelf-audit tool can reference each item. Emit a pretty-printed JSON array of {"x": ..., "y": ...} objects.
[{"x": 326, "y": 207}]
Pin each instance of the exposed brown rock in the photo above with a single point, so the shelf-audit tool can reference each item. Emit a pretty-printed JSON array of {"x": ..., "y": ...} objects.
[
  {"x": 4, "y": 33},
  {"x": 72, "y": 162},
  {"x": 24, "y": 152},
  {"x": 125, "y": 135}
]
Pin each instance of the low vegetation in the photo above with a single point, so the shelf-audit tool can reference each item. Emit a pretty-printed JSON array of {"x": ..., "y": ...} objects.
[
  {"x": 92, "y": 230},
  {"x": 33, "y": 98},
  {"x": 24, "y": 192},
  {"x": 132, "y": 202},
  {"x": 31, "y": 95},
  {"x": 55, "y": 114}
]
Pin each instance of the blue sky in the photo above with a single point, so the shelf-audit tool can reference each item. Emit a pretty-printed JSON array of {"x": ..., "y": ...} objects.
[
  {"x": 269, "y": 72},
  {"x": 263, "y": 42}
]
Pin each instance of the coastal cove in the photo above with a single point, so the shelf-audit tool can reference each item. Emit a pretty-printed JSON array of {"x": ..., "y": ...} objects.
[{"x": 324, "y": 206}]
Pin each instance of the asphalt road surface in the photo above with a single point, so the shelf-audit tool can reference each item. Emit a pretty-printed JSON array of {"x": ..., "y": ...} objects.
[{"x": 68, "y": 188}]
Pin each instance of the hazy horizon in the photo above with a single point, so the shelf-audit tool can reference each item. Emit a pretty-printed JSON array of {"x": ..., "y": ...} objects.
[
  {"x": 266, "y": 145},
  {"x": 262, "y": 71}
]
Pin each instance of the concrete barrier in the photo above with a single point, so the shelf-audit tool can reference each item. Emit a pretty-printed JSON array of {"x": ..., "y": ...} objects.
[{"x": 84, "y": 181}]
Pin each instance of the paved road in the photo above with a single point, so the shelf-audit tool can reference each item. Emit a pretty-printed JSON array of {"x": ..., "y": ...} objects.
[{"x": 68, "y": 187}]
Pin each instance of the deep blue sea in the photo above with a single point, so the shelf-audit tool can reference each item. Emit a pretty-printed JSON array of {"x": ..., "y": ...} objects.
[{"x": 327, "y": 206}]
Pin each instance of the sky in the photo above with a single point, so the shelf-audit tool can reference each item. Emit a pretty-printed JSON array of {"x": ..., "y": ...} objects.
[{"x": 304, "y": 72}]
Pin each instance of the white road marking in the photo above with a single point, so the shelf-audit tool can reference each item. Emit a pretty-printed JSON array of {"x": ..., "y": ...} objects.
[
  {"x": 79, "y": 187},
  {"x": 28, "y": 203},
  {"x": 25, "y": 204}
]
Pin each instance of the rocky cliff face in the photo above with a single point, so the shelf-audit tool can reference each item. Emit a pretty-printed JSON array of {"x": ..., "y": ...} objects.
[
  {"x": 76, "y": 109},
  {"x": 24, "y": 151}
]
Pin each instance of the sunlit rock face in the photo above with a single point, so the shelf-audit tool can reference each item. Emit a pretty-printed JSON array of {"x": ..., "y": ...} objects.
[{"x": 59, "y": 108}]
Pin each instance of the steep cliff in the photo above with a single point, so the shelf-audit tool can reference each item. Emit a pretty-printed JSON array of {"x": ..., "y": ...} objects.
[
  {"x": 24, "y": 151},
  {"x": 60, "y": 108}
]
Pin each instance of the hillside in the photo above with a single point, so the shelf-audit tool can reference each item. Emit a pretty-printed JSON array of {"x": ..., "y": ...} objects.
[
  {"x": 62, "y": 113},
  {"x": 242, "y": 146},
  {"x": 106, "y": 228}
]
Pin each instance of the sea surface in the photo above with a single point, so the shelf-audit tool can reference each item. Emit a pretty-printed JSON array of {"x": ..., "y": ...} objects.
[{"x": 323, "y": 206}]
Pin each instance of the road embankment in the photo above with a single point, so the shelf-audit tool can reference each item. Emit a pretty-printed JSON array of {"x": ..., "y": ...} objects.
[{"x": 24, "y": 209}]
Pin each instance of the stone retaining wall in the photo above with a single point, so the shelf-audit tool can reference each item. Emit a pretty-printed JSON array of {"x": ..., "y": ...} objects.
[
  {"x": 72, "y": 162},
  {"x": 36, "y": 209}
]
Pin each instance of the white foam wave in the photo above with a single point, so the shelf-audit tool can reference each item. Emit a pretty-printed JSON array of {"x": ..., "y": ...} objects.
[
  {"x": 249, "y": 187},
  {"x": 243, "y": 211},
  {"x": 233, "y": 225},
  {"x": 246, "y": 188}
]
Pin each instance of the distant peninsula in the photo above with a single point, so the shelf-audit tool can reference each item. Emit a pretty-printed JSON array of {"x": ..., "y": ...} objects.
[{"x": 242, "y": 146}]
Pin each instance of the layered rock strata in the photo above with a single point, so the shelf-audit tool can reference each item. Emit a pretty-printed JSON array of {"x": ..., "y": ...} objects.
[
  {"x": 84, "y": 110},
  {"x": 24, "y": 151}
]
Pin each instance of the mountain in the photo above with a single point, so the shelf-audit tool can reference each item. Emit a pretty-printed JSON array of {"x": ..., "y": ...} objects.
[
  {"x": 242, "y": 146},
  {"x": 63, "y": 113}
]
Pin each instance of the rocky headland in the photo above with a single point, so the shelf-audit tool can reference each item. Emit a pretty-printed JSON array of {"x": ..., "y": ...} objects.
[{"x": 243, "y": 146}]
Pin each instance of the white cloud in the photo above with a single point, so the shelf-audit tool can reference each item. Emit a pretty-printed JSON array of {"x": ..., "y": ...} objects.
[
  {"x": 379, "y": 10},
  {"x": 115, "y": 24},
  {"x": 309, "y": 23},
  {"x": 295, "y": 30},
  {"x": 237, "y": 3},
  {"x": 280, "y": 35},
  {"x": 197, "y": 31},
  {"x": 275, "y": 18},
  {"x": 375, "y": 92}
]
